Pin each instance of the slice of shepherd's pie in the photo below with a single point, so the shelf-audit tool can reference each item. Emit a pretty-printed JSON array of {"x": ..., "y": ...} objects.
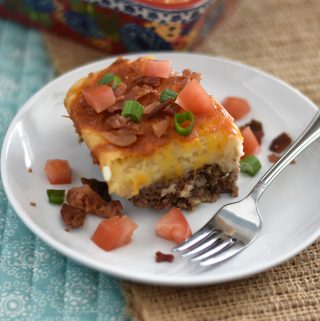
[{"x": 160, "y": 140}]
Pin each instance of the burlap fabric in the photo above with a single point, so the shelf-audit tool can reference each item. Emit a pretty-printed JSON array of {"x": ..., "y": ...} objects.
[{"x": 281, "y": 37}]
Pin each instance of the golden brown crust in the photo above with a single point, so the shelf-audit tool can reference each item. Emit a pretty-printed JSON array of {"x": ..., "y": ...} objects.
[{"x": 139, "y": 88}]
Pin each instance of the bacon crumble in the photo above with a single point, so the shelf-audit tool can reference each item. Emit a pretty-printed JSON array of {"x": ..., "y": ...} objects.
[
  {"x": 90, "y": 202},
  {"x": 280, "y": 143},
  {"x": 160, "y": 107},
  {"x": 91, "y": 198},
  {"x": 162, "y": 257},
  {"x": 273, "y": 158},
  {"x": 72, "y": 216}
]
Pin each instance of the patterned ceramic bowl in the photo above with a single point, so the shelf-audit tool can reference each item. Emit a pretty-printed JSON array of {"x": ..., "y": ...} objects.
[{"x": 119, "y": 26}]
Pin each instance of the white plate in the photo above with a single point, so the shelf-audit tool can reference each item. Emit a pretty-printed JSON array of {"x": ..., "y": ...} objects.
[{"x": 290, "y": 208}]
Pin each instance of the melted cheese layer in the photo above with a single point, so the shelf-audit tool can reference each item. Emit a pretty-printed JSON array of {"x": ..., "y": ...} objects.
[{"x": 130, "y": 173}]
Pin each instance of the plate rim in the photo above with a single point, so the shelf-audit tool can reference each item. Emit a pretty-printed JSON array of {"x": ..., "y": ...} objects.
[{"x": 156, "y": 279}]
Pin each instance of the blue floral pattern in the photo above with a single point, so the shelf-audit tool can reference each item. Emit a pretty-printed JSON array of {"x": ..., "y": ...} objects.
[
  {"x": 83, "y": 23},
  {"x": 41, "y": 5},
  {"x": 137, "y": 38},
  {"x": 36, "y": 282}
]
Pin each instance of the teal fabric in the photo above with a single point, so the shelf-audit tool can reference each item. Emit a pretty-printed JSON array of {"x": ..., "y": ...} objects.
[{"x": 36, "y": 282}]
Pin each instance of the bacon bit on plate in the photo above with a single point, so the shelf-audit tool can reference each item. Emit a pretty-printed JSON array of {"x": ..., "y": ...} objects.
[
  {"x": 112, "y": 208},
  {"x": 120, "y": 90},
  {"x": 160, "y": 127},
  {"x": 151, "y": 107},
  {"x": 157, "y": 68},
  {"x": 119, "y": 98},
  {"x": 58, "y": 171},
  {"x": 114, "y": 232},
  {"x": 172, "y": 109},
  {"x": 158, "y": 108},
  {"x": 34, "y": 204},
  {"x": 188, "y": 75},
  {"x": 257, "y": 129},
  {"x": 194, "y": 98},
  {"x": 273, "y": 158},
  {"x": 250, "y": 142},
  {"x": 138, "y": 92},
  {"x": 117, "y": 106},
  {"x": 85, "y": 198},
  {"x": 237, "y": 107},
  {"x": 119, "y": 122},
  {"x": 173, "y": 226},
  {"x": 120, "y": 137},
  {"x": 101, "y": 188},
  {"x": 280, "y": 143},
  {"x": 72, "y": 216},
  {"x": 162, "y": 257},
  {"x": 100, "y": 97},
  {"x": 115, "y": 122},
  {"x": 151, "y": 81}
]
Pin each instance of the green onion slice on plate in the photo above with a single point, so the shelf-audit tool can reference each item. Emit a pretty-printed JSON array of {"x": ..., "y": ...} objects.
[
  {"x": 108, "y": 78},
  {"x": 132, "y": 109},
  {"x": 56, "y": 196},
  {"x": 250, "y": 165},
  {"x": 116, "y": 82},
  {"x": 179, "y": 119},
  {"x": 167, "y": 94}
]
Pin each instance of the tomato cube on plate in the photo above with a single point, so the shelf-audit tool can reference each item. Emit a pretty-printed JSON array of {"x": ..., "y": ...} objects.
[
  {"x": 251, "y": 145},
  {"x": 58, "y": 171},
  {"x": 100, "y": 97},
  {"x": 173, "y": 226},
  {"x": 157, "y": 68},
  {"x": 114, "y": 232},
  {"x": 194, "y": 98},
  {"x": 237, "y": 107}
]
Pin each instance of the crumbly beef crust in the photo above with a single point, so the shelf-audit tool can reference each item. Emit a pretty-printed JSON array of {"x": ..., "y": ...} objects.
[{"x": 203, "y": 185}]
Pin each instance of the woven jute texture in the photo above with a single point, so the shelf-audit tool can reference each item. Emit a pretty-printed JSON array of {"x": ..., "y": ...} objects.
[{"x": 281, "y": 37}]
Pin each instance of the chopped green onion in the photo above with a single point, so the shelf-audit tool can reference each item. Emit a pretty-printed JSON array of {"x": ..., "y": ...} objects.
[
  {"x": 181, "y": 118},
  {"x": 109, "y": 77},
  {"x": 132, "y": 109},
  {"x": 167, "y": 94},
  {"x": 116, "y": 82},
  {"x": 250, "y": 165},
  {"x": 56, "y": 196}
]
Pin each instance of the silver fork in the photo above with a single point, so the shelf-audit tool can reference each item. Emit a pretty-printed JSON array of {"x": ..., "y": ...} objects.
[{"x": 237, "y": 225}]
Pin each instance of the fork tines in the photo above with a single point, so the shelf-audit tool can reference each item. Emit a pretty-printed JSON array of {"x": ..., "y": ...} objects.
[{"x": 208, "y": 247}]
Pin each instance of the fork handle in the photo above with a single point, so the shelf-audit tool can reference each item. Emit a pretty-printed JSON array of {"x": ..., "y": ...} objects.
[{"x": 311, "y": 133}]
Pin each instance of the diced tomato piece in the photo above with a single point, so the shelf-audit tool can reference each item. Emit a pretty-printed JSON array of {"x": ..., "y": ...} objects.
[
  {"x": 100, "y": 97},
  {"x": 237, "y": 107},
  {"x": 157, "y": 68},
  {"x": 250, "y": 143},
  {"x": 173, "y": 226},
  {"x": 58, "y": 171},
  {"x": 194, "y": 98},
  {"x": 114, "y": 232}
]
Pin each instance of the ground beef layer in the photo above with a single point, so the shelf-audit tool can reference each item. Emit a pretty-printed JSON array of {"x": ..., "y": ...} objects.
[{"x": 202, "y": 185}]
